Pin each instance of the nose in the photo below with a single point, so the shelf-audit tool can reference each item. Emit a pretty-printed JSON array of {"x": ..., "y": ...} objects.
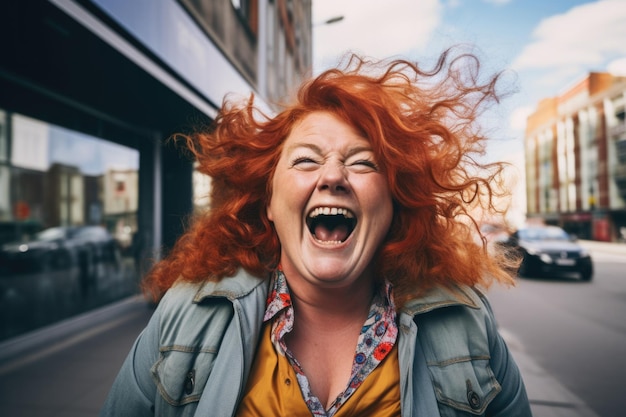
[{"x": 333, "y": 177}]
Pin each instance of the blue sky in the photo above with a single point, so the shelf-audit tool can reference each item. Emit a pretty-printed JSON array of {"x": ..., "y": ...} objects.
[{"x": 549, "y": 44}]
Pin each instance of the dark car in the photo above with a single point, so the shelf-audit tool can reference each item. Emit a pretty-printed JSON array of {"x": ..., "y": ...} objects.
[
  {"x": 13, "y": 231},
  {"x": 60, "y": 248},
  {"x": 550, "y": 250},
  {"x": 54, "y": 274}
]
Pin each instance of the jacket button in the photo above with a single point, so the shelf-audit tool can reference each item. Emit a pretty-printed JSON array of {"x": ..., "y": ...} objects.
[
  {"x": 473, "y": 399},
  {"x": 190, "y": 381}
]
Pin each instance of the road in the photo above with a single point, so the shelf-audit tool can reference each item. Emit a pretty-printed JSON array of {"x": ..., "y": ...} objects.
[
  {"x": 570, "y": 337},
  {"x": 575, "y": 330}
]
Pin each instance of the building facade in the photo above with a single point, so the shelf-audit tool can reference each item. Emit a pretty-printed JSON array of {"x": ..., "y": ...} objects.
[
  {"x": 91, "y": 192},
  {"x": 575, "y": 150}
]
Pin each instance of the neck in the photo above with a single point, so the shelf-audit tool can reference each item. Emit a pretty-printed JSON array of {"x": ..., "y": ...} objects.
[{"x": 331, "y": 308}]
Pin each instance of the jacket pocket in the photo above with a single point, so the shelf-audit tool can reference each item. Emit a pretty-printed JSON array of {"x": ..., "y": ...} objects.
[
  {"x": 465, "y": 384},
  {"x": 181, "y": 373}
]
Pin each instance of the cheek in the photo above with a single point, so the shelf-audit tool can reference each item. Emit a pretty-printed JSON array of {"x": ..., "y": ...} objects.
[
  {"x": 379, "y": 200},
  {"x": 376, "y": 193},
  {"x": 283, "y": 196}
]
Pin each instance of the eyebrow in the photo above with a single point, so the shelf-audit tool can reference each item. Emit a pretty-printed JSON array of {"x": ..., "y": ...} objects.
[
  {"x": 310, "y": 146},
  {"x": 319, "y": 151}
]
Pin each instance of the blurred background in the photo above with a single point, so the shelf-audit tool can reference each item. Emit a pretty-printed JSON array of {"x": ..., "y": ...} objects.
[{"x": 91, "y": 193}]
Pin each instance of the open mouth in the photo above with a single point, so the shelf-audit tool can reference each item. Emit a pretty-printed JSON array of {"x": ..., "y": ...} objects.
[{"x": 331, "y": 224}]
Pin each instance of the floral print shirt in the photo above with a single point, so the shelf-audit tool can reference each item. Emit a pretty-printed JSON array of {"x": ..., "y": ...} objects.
[{"x": 377, "y": 337}]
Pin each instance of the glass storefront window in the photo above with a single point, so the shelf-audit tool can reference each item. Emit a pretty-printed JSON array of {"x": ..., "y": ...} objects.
[
  {"x": 3, "y": 137},
  {"x": 68, "y": 215}
]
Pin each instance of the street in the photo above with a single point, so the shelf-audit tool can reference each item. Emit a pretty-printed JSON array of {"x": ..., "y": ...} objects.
[
  {"x": 568, "y": 337},
  {"x": 574, "y": 330}
]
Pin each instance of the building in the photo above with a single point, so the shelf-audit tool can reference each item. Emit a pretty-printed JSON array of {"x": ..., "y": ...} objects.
[
  {"x": 89, "y": 92},
  {"x": 575, "y": 150}
]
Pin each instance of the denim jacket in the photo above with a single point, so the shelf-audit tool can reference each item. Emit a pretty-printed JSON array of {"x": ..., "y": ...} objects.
[{"x": 195, "y": 355}]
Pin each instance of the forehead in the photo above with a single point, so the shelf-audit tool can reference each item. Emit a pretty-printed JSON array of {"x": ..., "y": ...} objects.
[{"x": 324, "y": 129}]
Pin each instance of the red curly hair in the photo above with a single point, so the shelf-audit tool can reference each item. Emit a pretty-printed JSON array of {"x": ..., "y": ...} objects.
[{"x": 423, "y": 126}]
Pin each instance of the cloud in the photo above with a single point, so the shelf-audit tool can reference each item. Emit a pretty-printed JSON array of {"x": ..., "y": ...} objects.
[
  {"x": 453, "y": 4},
  {"x": 497, "y": 2},
  {"x": 373, "y": 28},
  {"x": 617, "y": 67},
  {"x": 583, "y": 37},
  {"x": 518, "y": 117}
]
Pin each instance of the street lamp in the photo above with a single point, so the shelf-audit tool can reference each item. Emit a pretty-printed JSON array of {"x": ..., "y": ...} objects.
[
  {"x": 329, "y": 21},
  {"x": 316, "y": 29},
  {"x": 332, "y": 20}
]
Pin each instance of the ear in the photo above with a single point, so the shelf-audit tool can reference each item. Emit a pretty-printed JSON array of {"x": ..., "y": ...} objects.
[{"x": 268, "y": 211}]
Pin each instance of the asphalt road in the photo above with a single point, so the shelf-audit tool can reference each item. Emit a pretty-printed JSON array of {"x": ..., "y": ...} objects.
[
  {"x": 575, "y": 330},
  {"x": 570, "y": 338}
]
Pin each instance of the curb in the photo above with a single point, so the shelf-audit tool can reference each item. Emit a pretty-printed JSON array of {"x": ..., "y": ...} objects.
[{"x": 30, "y": 343}]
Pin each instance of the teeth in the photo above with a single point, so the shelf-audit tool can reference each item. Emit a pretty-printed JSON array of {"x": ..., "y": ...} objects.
[
  {"x": 332, "y": 211},
  {"x": 328, "y": 242}
]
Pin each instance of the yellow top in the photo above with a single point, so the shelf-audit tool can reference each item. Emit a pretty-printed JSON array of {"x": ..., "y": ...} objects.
[{"x": 272, "y": 388}]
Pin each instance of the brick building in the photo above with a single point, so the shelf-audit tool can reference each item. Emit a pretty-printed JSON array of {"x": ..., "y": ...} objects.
[{"x": 575, "y": 148}]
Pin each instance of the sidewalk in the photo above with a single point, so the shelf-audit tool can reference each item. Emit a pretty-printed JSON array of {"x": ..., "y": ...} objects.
[
  {"x": 66, "y": 370},
  {"x": 610, "y": 247},
  {"x": 71, "y": 371},
  {"x": 547, "y": 396}
]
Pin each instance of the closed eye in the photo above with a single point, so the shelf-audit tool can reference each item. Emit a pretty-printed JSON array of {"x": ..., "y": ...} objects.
[
  {"x": 303, "y": 162},
  {"x": 365, "y": 164}
]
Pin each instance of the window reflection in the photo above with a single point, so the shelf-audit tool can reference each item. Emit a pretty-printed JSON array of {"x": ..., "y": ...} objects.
[
  {"x": 3, "y": 137},
  {"x": 68, "y": 214}
]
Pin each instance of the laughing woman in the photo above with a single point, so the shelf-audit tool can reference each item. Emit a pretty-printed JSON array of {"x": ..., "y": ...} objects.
[{"x": 338, "y": 270}]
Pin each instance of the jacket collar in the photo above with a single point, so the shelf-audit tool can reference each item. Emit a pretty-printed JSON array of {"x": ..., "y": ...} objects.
[
  {"x": 439, "y": 297},
  {"x": 236, "y": 286},
  {"x": 243, "y": 283}
]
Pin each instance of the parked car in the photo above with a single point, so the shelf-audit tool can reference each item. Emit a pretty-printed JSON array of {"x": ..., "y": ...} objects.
[
  {"x": 55, "y": 274},
  {"x": 60, "y": 247},
  {"x": 13, "y": 231},
  {"x": 550, "y": 250}
]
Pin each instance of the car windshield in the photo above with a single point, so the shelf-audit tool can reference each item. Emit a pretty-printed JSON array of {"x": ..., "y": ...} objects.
[
  {"x": 547, "y": 233},
  {"x": 93, "y": 232},
  {"x": 54, "y": 233}
]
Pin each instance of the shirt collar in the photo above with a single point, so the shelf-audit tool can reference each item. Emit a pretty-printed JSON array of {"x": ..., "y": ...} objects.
[{"x": 279, "y": 296}]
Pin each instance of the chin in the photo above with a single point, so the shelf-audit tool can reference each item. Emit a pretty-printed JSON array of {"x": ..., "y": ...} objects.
[{"x": 335, "y": 274}]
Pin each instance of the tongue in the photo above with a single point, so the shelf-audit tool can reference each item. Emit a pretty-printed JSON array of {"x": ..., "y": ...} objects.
[{"x": 338, "y": 233}]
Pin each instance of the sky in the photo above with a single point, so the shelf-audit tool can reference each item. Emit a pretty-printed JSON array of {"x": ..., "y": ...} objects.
[{"x": 547, "y": 45}]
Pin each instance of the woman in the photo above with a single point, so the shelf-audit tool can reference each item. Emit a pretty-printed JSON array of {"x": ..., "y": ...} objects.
[{"x": 337, "y": 271}]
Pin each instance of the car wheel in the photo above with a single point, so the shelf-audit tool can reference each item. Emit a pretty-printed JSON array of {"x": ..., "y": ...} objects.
[
  {"x": 586, "y": 275},
  {"x": 522, "y": 270},
  {"x": 525, "y": 269},
  {"x": 87, "y": 266}
]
